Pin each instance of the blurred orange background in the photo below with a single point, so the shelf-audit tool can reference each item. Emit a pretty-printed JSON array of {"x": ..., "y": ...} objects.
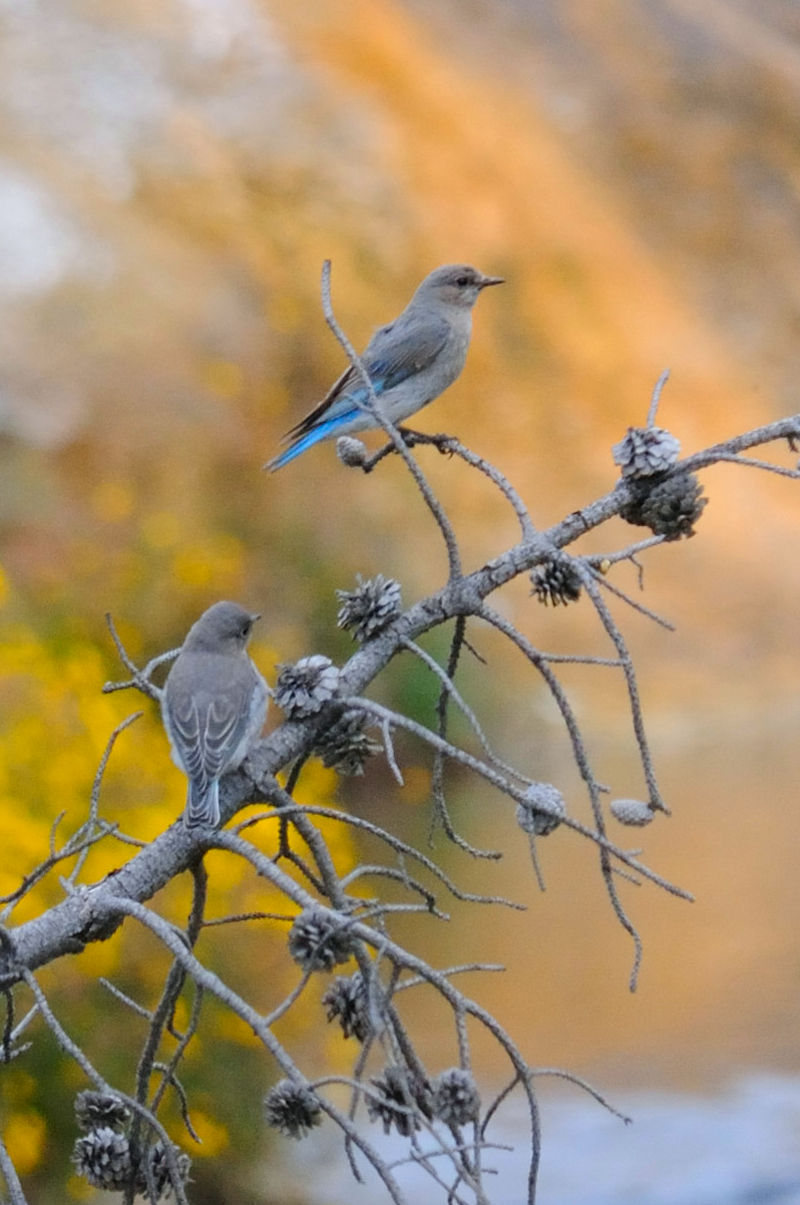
[{"x": 171, "y": 177}]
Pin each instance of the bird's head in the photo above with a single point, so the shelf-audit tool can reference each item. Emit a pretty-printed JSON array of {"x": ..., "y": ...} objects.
[
  {"x": 223, "y": 628},
  {"x": 455, "y": 284}
]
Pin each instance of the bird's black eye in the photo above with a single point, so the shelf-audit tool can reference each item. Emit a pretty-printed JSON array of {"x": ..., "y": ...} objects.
[{"x": 462, "y": 281}]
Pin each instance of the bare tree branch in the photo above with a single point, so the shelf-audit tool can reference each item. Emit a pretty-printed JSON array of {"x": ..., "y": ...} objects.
[{"x": 331, "y": 919}]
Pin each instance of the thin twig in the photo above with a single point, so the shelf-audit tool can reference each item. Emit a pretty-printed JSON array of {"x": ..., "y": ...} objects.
[
  {"x": 656, "y": 398},
  {"x": 89, "y": 824}
]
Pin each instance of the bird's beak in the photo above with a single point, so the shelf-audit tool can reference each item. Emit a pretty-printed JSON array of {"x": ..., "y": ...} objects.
[
  {"x": 485, "y": 281},
  {"x": 254, "y": 616}
]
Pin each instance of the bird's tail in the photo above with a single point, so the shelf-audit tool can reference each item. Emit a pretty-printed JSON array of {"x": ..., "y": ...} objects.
[
  {"x": 320, "y": 431},
  {"x": 202, "y": 804}
]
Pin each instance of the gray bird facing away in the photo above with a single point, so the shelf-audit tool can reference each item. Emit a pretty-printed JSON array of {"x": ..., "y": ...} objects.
[
  {"x": 213, "y": 705},
  {"x": 409, "y": 362}
]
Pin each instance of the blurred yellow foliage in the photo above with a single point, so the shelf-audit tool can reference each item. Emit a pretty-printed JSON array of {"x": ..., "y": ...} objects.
[
  {"x": 213, "y": 1136},
  {"x": 54, "y": 724},
  {"x": 18, "y": 1085},
  {"x": 161, "y": 529},
  {"x": 113, "y": 501},
  {"x": 79, "y": 1189},
  {"x": 417, "y": 786},
  {"x": 218, "y": 560},
  {"x": 54, "y": 727},
  {"x": 24, "y": 1136},
  {"x": 233, "y": 1029}
]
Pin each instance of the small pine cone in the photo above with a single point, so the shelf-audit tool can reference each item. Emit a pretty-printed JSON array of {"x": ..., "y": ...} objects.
[
  {"x": 345, "y": 747},
  {"x": 456, "y": 1100},
  {"x": 401, "y": 1095},
  {"x": 305, "y": 687},
  {"x": 160, "y": 1178},
  {"x": 670, "y": 507},
  {"x": 646, "y": 451},
  {"x": 292, "y": 1108},
  {"x": 319, "y": 941},
  {"x": 347, "y": 999},
  {"x": 556, "y": 581},
  {"x": 542, "y": 810},
  {"x": 97, "y": 1110},
  {"x": 351, "y": 452},
  {"x": 370, "y": 607},
  {"x": 103, "y": 1157},
  {"x": 631, "y": 811}
]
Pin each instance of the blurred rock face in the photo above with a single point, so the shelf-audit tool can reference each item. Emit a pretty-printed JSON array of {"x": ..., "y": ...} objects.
[{"x": 173, "y": 175}]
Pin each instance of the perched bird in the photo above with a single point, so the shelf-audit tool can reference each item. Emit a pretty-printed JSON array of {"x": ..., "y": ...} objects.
[
  {"x": 213, "y": 705},
  {"x": 409, "y": 362}
]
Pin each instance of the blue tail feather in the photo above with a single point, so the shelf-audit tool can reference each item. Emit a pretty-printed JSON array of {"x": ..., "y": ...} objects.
[{"x": 320, "y": 431}]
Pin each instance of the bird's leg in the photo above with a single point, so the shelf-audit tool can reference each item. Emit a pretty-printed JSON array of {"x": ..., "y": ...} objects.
[
  {"x": 368, "y": 465},
  {"x": 443, "y": 443}
]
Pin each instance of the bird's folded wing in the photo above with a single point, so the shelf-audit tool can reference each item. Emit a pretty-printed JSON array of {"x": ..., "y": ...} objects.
[
  {"x": 209, "y": 732},
  {"x": 394, "y": 354}
]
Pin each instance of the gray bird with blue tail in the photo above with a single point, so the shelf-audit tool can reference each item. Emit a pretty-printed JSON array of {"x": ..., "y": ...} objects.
[{"x": 409, "y": 362}]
